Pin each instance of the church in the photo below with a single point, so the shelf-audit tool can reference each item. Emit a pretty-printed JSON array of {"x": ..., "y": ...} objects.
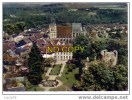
[{"x": 64, "y": 34}]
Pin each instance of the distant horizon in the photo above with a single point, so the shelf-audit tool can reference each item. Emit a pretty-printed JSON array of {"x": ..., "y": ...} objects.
[{"x": 111, "y": 3}]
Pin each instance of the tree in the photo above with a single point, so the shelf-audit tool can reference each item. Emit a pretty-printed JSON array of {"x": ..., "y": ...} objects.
[
  {"x": 99, "y": 77},
  {"x": 34, "y": 77},
  {"x": 14, "y": 28},
  {"x": 121, "y": 77},
  {"x": 71, "y": 67},
  {"x": 49, "y": 61},
  {"x": 35, "y": 62},
  {"x": 82, "y": 41},
  {"x": 96, "y": 47},
  {"x": 20, "y": 26},
  {"x": 9, "y": 29},
  {"x": 121, "y": 47}
]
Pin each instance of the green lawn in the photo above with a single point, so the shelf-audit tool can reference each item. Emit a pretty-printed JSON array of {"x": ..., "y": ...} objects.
[
  {"x": 56, "y": 69},
  {"x": 34, "y": 88},
  {"x": 30, "y": 87},
  {"x": 68, "y": 78},
  {"x": 60, "y": 88},
  {"x": 43, "y": 76}
]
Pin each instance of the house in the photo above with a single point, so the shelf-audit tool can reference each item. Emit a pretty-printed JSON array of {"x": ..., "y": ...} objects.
[
  {"x": 23, "y": 43},
  {"x": 32, "y": 38},
  {"x": 8, "y": 58},
  {"x": 8, "y": 45},
  {"x": 18, "y": 51},
  {"x": 40, "y": 42},
  {"x": 17, "y": 38},
  {"x": 38, "y": 36},
  {"x": 44, "y": 52}
]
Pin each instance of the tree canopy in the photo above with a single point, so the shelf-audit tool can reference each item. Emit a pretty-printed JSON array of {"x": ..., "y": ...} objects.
[
  {"x": 35, "y": 63},
  {"x": 99, "y": 77}
]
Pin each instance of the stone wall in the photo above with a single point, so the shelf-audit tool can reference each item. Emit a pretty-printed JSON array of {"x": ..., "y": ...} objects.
[{"x": 110, "y": 58}]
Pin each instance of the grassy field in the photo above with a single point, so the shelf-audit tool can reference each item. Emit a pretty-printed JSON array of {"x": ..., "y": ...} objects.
[
  {"x": 56, "y": 69},
  {"x": 30, "y": 87},
  {"x": 60, "y": 88},
  {"x": 35, "y": 88},
  {"x": 69, "y": 78}
]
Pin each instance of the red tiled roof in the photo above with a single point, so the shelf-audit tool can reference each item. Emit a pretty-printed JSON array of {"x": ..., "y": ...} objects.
[
  {"x": 54, "y": 41},
  {"x": 32, "y": 38},
  {"x": 7, "y": 57},
  {"x": 41, "y": 42},
  {"x": 38, "y": 35},
  {"x": 64, "y": 31},
  {"x": 9, "y": 45}
]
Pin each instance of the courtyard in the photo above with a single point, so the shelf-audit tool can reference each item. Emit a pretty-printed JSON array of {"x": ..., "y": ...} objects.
[{"x": 60, "y": 73}]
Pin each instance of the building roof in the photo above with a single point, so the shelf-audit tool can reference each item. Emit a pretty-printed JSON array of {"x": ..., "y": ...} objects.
[
  {"x": 15, "y": 35},
  {"x": 43, "y": 49},
  {"x": 64, "y": 31},
  {"x": 9, "y": 45},
  {"x": 17, "y": 79},
  {"x": 76, "y": 27},
  {"x": 38, "y": 35},
  {"x": 41, "y": 42},
  {"x": 21, "y": 43},
  {"x": 54, "y": 41},
  {"x": 32, "y": 38},
  {"x": 7, "y": 57},
  {"x": 19, "y": 50},
  {"x": 8, "y": 63}
]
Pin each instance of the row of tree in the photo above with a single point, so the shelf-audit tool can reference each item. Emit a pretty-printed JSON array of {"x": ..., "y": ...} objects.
[{"x": 41, "y": 14}]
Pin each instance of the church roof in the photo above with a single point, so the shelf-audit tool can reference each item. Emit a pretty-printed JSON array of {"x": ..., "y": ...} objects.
[{"x": 64, "y": 31}]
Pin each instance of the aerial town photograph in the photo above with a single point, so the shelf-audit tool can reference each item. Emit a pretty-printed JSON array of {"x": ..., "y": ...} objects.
[{"x": 65, "y": 46}]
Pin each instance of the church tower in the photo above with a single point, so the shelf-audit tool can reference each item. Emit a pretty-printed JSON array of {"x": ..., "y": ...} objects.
[{"x": 53, "y": 29}]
